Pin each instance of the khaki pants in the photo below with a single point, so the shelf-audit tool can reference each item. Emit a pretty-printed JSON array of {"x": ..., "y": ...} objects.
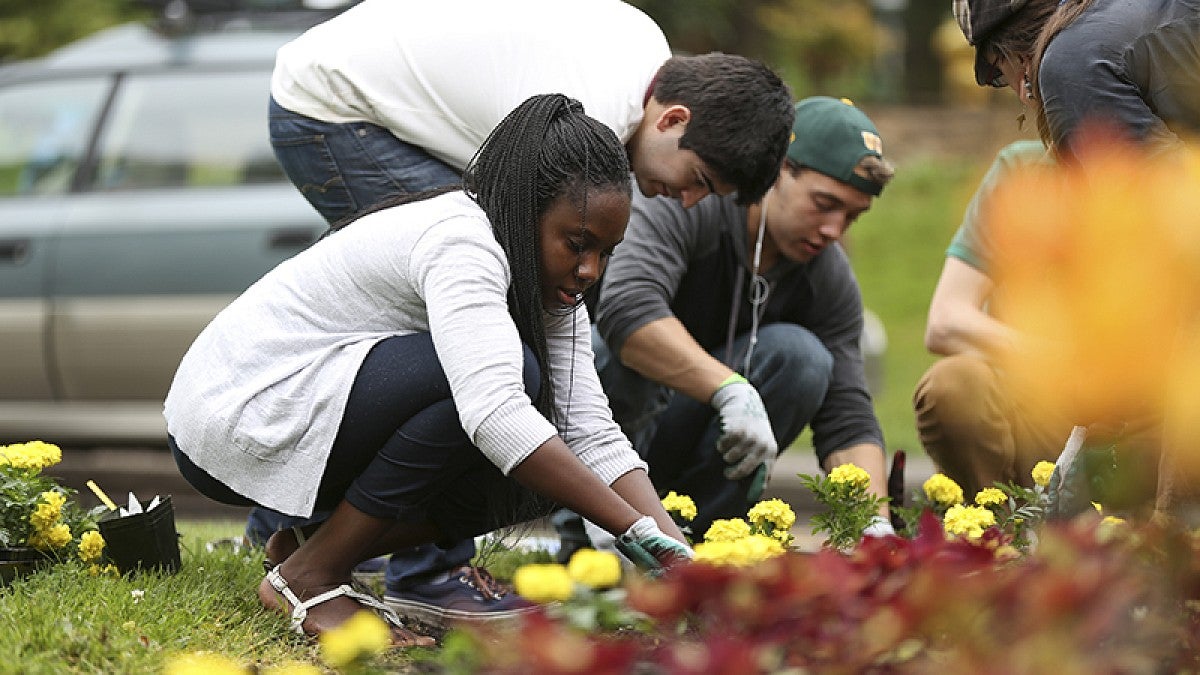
[{"x": 975, "y": 431}]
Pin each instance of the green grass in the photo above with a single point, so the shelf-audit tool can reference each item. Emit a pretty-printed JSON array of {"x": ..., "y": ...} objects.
[
  {"x": 897, "y": 249},
  {"x": 61, "y": 620}
]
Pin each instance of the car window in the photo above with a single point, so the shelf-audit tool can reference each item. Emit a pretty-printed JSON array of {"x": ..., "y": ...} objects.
[
  {"x": 44, "y": 129},
  {"x": 187, "y": 130}
]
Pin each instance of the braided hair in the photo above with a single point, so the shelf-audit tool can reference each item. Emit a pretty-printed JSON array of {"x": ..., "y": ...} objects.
[{"x": 544, "y": 149}]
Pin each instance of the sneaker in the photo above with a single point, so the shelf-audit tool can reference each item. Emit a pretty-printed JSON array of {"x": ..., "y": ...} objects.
[{"x": 469, "y": 594}]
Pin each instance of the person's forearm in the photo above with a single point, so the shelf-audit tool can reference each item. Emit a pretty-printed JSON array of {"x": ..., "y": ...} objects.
[
  {"x": 636, "y": 489},
  {"x": 868, "y": 457},
  {"x": 969, "y": 332},
  {"x": 553, "y": 471},
  {"x": 664, "y": 351}
]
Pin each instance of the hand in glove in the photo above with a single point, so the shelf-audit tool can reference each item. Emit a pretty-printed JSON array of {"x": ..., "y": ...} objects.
[
  {"x": 647, "y": 547},
  {"x": 746, "y": 440}
]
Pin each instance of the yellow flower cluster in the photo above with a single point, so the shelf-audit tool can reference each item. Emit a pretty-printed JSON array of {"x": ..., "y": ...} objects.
[
  {"x": 941, "y": 489},
  {"x": 595, "y": 569},
  {"x": 681, "y": 504},
  {"x": 53, "y": 537},
  {"x": 91, "y": 546},
  {"x": 360, "y": 637},
  {"x": 727, "y": 529},
  {"x": 968, "y": 521},
  {"x": 740, "y": 552},
  {"x": 552, "y": 582},
  {"x": 773, "y": 516},
  {"x": 1042, "y": 472},
  {"x": 48, "y": 530},
  {"x": 990, "y": 497},
  {"x": 543, "y": 582},
  {"x": 849, "y": 474},
  {"x": 48, "y": 511},
  {"x": 35, "y": 455}
]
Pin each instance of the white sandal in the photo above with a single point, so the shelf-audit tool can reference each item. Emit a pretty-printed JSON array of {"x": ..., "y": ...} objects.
[{"x": 300, "y": 607}]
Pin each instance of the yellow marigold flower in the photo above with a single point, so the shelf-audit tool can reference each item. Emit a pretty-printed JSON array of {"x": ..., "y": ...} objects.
[
  {"x": 727, "y": 529},
  {"x": 740, "y": 552},
  {"x": 91, "y": 546},
  {"x": 774, "y": 518},
  {"x": 595, "y": 569},
  {"x": 681, "y": 504},
  {"x": 57, "y": 536},
  {"x": 360, "y": 637},
  {"x": 1042, "y": 472},
  {"x": 543, "y": 582},
  {"x": 45, "y": 516},
  {"x": 968, "y": 521},
  {"x": 849, "y": 474},
  {"x": 203, "y": 663},
  {"x": 35, "y": 455},
  {"x": 990, "y": 497},
  {"x": 107, "y": 571},
  {"x": 940, "y": 489}
]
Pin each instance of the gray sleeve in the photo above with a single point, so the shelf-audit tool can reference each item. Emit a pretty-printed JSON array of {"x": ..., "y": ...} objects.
[
  {"x": 1083, "y": 76},
  {"x": 847, "y": 415},
  {"x": 646, "y": 268}
]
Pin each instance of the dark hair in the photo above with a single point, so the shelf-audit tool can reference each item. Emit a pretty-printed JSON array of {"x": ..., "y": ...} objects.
[
  {"x": 741, "y": 120},
  {"x": 546, "y": 148},
  {"x": 1016, "y": 37}
]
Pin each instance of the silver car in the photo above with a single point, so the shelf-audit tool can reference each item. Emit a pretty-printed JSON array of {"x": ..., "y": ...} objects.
[{"x": 138, "y": 196}]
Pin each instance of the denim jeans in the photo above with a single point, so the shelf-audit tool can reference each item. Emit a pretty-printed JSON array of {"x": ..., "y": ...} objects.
[
  {"x": 344, "y": 168},
  {"x": 677, "y": 435},
  {"x": 401, "y": 453}
]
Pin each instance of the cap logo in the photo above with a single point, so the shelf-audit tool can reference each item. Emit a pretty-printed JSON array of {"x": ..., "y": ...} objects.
[{"x": 873, "y": 142}]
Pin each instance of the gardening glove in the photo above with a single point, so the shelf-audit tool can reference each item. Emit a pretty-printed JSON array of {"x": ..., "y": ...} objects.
[
  {"x": 879, "y": 527},
  {"x": 647, "y": 547},
  {"x": 746, "y": 441}
]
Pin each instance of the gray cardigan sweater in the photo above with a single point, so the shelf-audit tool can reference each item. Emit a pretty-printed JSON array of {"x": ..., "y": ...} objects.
[{"x": 259, "y": 396}]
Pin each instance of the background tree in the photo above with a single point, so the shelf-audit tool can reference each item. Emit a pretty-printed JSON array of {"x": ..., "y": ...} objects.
[{"x": 34, "y": 28}]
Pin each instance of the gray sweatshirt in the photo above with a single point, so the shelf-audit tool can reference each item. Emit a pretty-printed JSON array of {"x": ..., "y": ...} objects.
[{"x": 686, "y": 262}]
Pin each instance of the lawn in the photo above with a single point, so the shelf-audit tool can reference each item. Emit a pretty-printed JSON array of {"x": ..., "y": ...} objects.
[{"x": 897, "y": 249}]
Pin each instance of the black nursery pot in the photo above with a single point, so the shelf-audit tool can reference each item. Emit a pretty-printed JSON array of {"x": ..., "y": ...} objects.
[
  {"x": 146, "y": 540},
  {"x": 18, "y": 562}
]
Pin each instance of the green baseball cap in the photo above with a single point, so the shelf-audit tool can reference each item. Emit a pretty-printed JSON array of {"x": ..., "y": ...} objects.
[{"x": 831, "y": 136}]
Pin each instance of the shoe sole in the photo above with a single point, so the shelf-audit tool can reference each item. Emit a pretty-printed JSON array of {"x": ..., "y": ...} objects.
[{"x": 442, "y": 618}]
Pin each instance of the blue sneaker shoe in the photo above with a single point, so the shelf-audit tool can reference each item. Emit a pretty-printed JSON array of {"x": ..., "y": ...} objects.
[{"x": 468, "y": 594}]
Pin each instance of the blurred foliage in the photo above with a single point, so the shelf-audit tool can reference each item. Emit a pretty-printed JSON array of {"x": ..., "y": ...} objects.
[
  {"x": 33, "y": 28},
  {"x": 818, "y": 46}
]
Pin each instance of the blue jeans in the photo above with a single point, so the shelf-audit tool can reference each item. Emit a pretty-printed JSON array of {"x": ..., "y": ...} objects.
[
  {"x": 677, "y": 435},
  {"x": 342, "y": 169}
]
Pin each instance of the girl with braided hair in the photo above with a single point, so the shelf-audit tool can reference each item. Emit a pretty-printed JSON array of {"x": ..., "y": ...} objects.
[{"x": 426, "y": 373}]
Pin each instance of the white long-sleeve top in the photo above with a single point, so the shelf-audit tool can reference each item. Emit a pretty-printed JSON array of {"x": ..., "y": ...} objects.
[
  {"x": 258, "y": 398},
  {"x": 441, "y": 75}
]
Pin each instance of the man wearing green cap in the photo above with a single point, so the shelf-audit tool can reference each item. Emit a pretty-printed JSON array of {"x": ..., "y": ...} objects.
[{"x": 727, "y": 329}]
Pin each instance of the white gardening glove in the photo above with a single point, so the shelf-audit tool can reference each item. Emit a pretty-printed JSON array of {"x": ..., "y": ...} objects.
[
  {"x": 746, "y": 440},
  {"x": 649, "y": 548},
  {"x": 879, "y": 527}
]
